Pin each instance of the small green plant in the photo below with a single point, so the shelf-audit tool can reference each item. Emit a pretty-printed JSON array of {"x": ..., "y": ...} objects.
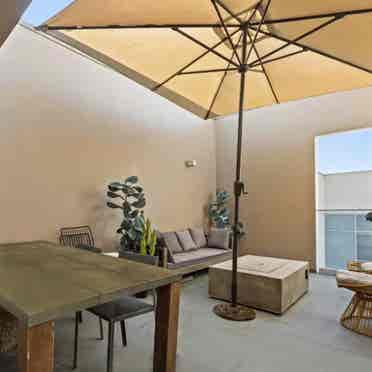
[
  {"x": 218, "y": 211},
  {"x": 149, "y": 240},
  {"x": 133, "y": 201}
]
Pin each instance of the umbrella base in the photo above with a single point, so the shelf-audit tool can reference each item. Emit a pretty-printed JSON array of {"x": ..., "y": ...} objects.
[{"x": 236, "y": 313}]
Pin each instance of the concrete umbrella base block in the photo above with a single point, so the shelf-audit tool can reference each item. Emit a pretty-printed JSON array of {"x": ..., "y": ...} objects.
[{"x": 236, "y": 313}]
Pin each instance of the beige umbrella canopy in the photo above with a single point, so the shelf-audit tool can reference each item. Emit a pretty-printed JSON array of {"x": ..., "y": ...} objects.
[
  {"x": 336, "y": 56},
  {"x": 216, "y": 57}
]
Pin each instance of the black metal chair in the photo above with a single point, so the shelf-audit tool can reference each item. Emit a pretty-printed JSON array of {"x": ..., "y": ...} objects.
[
  {"x": 112, "y": 312},
  {"x": 80, "y": 237}
]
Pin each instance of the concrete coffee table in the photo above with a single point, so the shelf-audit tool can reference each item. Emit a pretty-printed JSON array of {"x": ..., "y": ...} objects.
[{"x": 264, "y": 283}]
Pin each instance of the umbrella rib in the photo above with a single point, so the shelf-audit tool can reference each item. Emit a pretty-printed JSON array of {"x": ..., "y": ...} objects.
[
  {"x": 278, "y": 58},
  {"x": 257, "y": 31},
  {"x": 216, "y": 95},
  {"x": 264, "y": 70},
  {"x": 317, "y": 16},
  {"x": 207, "y": 71},
  {"x": 315, "y": 50},
  {"x": 298, "y": 38},
  {"x": 185, "y": 34},
  {"x": 225, "y": 29},
  {"x": 221, "y": 83},
  {"x": 192, "y": 62},
  {"x": 124, "y": 27}
]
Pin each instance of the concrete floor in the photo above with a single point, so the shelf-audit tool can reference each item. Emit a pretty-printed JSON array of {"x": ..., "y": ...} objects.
[{"x": 307, "y": 338}]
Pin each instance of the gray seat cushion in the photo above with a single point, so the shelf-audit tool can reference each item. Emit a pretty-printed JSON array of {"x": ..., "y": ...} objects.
[
  {"x": 198, "y": 236},
  {"x": 186, "y": 241},
  {"x": 219, "y": 238},
  {"x": 198, "y": 256}
]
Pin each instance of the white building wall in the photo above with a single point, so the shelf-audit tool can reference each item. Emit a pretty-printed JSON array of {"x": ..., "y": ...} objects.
[
  {"x": 351, "y": 190},
  {"x": 343, "y": 193}
]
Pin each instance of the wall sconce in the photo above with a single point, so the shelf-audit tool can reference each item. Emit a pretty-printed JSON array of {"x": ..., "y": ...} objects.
[{"x": 190, "y": 163}]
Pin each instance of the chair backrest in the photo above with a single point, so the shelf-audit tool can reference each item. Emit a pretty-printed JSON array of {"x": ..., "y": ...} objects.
[{"x": 76, "y": 236}]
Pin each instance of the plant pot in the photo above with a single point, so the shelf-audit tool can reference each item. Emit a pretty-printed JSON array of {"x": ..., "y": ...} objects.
[
  {"x": 148, "y": 260},
  {"x": 133, "y": 256}
]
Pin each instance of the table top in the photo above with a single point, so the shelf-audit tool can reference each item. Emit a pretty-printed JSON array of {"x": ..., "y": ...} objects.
[
  {"x": 42, "y": 281},
  {"x": 270, "y": 267}
]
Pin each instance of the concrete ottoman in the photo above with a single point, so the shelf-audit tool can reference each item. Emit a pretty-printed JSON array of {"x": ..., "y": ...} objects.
[{"x": 264, "y": 283}]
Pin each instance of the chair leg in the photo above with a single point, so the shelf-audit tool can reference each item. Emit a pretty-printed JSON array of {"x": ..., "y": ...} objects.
[
  {"x": 101, "y": 329},
  {"x": 110, "y": 347},
  {"x": 123, "y": 333},
  {"x": 76, "y": 341},
  {"x": 80, "y": 316}
]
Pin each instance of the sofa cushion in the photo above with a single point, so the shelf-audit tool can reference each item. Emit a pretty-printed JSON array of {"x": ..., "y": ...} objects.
[
  {"x": 186, "y": 241},
  {"x": 172, "y": 244},
  {"x": 219, "y": 238},
  {"x": 353, "y": 278},
  {"x": 194, "y": 257},
  {"x": 367, "y": 266},
  {"x": 198, "y": 236}
]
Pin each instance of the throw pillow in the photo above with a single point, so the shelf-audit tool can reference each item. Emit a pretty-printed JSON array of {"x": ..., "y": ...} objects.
[
  {"x": 198, "y": 236},
  {"x": 219, "y": 238},
  {"x": 186, "y": 241},
  {"x": 171, "y": 241}
]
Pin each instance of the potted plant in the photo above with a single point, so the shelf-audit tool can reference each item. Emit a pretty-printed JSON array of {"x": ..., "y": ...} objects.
[
  {"x": 138, "y": 240},
  {"x": 218, "y": 211},
  {"x": 147, "y": 251},
  {"x": 219, "y": 214}
]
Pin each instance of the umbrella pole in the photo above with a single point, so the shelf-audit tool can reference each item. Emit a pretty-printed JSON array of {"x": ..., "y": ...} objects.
[{"x": 233, "y": 311}]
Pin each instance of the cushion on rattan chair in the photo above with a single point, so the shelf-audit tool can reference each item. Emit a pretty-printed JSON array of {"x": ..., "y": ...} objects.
[
  {"x": 345, "y": 278},
  {"x": 366, "y": 266},
  {"x": 8, "y": 331}
]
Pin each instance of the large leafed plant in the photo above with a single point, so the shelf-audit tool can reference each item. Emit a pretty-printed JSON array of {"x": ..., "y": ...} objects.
[
  {"x": 218, "y": 210},
  {"x": 130, "y": 198}
]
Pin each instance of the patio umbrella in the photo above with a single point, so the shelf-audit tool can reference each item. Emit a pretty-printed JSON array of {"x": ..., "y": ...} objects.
[{"x": 217, "y": 57}]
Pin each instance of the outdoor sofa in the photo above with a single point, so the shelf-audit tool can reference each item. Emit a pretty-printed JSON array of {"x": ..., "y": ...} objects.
[{"x": 192, "y": 250}]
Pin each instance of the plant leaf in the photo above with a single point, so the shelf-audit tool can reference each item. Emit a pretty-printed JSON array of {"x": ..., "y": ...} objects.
[
  {"x": 139, "y": 189},
  {"x": 139, "y": 203},
  {"x": 114, "y": 206},
  {"x": 134, "y": 214},
  {"x": 112, "y": 194},
  {"x": 131, "y": 180},
  {"x": 115, "y": 186}
]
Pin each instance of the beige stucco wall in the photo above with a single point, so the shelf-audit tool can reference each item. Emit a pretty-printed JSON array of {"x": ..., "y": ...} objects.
[
  {"x": 69, "y": 126},
  {"x": 10, "y": 11},
  {"x": 278, "y": 167}
]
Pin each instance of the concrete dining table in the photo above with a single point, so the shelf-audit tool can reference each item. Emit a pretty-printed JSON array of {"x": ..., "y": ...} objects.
[{"x": 41, "y": 282}]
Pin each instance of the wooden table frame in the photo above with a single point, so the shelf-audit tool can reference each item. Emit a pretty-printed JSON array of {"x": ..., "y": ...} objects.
[{"x": 36, "y": 329}]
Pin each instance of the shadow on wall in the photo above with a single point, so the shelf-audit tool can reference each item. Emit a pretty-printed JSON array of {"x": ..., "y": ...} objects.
[{"x": 66, "y": 133}]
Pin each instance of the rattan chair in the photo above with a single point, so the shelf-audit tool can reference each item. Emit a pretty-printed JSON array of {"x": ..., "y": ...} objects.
[{"x": 358, "y": 314}]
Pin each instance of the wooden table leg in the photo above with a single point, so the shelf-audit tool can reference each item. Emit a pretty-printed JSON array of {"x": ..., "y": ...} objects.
[
  {"x": 166, "y": 330},
  {"x": 36, "y": 348}
]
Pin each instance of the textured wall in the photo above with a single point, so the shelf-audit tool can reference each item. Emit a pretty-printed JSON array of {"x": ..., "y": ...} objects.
[
  {"x": 278, "y": 167},
  {"x": 70, "y": 126}
]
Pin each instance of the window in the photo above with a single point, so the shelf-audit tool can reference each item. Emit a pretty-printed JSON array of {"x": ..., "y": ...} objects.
[{"x": 347, "y": 237}]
